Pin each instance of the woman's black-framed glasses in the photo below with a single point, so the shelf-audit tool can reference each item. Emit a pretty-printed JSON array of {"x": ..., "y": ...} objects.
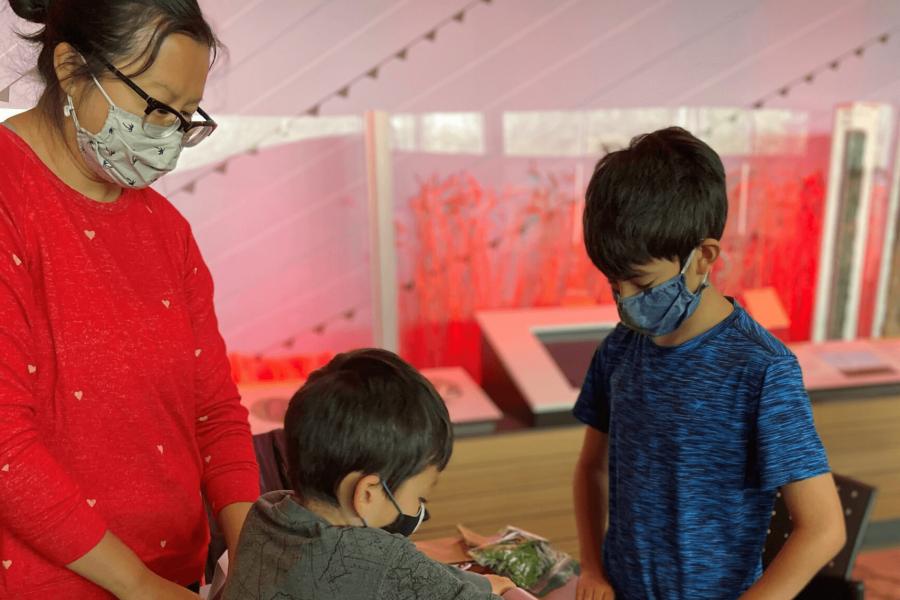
[{"x": 161, "y": 120}]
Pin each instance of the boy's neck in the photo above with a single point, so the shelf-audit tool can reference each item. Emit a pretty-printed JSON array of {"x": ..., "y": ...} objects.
[
  {"x": 335, "y": 515},
  {"x": 713, "y": 309}
]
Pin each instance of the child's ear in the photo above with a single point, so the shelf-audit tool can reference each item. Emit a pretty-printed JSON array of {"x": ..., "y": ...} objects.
[
  {"x": 366, "y": 494},
  {"x": 709, "y": 253}
]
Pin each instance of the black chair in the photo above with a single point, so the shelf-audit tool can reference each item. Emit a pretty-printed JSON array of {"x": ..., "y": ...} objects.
[
  {"x": 833, "y": 581},
  {"x": 271, "y": 454}
]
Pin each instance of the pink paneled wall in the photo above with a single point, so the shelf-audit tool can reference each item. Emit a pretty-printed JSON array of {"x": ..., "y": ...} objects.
[
  {"x": 285, "y": 230},
  {"x": 285, "y": 233}
]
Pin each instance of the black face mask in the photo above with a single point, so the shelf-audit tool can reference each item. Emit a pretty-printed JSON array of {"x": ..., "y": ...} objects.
[{"x": 404, "y": 524}]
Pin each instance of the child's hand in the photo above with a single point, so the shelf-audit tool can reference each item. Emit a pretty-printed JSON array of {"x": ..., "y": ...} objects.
[
  {"x": 594, "y": 586},
  {"x": 500, "y": 585}
]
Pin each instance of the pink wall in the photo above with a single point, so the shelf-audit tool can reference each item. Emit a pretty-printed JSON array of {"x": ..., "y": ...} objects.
[
  {"x": 548, "y": 54},
  {"x": 285, "y": 230}
]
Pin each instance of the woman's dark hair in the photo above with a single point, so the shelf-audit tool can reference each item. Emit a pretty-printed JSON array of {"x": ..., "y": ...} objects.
[
  {"x": 106, "y": 30},
  {"x": 366, "y": 411},
  {"x": 657, "y": 199}
]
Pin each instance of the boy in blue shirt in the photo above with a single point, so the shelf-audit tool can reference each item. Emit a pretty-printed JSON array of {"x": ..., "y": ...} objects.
[{"x": 696, "y": 415}]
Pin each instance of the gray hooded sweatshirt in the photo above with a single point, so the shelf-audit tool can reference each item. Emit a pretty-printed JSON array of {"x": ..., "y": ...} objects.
[{"x": 286, "y": 552}]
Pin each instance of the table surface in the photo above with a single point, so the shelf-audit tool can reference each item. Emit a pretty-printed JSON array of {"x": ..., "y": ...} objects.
[
  {"x": 466, "y": 401},
  {"x": 563, "y": 593},
  {"x": 547, "y": 388}
]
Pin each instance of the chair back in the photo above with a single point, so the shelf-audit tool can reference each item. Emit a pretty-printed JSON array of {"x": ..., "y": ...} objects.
[{"x": 857, "y": 500}]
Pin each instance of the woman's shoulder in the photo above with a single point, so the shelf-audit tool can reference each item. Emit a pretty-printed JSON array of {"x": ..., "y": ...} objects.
[
  {"x": 18, "y": 164},
  {"x": 17, "y": 155},
  {"x": 160, "y": 206},
  {"x": 158, "y": 202}
]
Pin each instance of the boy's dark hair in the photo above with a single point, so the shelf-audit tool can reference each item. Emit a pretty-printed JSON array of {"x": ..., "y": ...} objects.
[
  {"x": 657, "y": 199},
  {"x": 105, "y": 30},
  {"x": 367, "y": 411}
]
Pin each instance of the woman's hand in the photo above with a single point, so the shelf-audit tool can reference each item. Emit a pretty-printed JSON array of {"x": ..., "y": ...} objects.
[
  {"x": 113, "y": 566},
  {"x": 500, "y": 585},
  {"x": 594, "y": 586},
  {"x": 154, "y": 587},
  {"x": 231, "y": 521}
]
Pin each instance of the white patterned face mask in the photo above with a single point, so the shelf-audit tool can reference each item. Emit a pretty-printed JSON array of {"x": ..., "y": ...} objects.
[{"x": 122, "y": 152}]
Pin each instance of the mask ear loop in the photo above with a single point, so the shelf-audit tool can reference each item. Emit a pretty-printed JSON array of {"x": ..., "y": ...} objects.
[
  {"x": 703, "y": 284},
  {"x": 391, "y": 497},
  {"x": 102, "y": 91},
  {"x": 84, "y": 61},
  {"x": 687, "y": 263},
  {"x": 69, "y": 108},
  {"x": 420, "y": 515}
]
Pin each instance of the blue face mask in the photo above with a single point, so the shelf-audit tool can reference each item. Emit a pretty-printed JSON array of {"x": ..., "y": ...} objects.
[{"x": 663, "y": 308}]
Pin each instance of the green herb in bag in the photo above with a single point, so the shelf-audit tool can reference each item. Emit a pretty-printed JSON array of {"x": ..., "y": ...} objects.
[{"x": 528, "y": 560}]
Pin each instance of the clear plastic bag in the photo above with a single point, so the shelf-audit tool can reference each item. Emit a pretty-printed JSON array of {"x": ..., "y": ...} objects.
[{"x": 529, "y": 560}]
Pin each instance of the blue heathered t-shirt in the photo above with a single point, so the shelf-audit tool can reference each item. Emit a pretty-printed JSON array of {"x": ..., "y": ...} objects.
[{"x": 701, "y": 436}]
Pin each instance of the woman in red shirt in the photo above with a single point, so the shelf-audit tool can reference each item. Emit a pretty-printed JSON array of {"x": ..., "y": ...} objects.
[{"x": 117, "y": 409}]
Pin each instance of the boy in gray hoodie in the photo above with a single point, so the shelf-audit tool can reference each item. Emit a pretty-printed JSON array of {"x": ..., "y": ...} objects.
[{"x": 367, "y": 438}]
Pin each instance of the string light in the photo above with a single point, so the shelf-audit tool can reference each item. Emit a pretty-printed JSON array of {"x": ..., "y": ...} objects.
[
  {"x": 834, "y": 64},
  {"x": 344, "y": 91},
  {"x": 319, "y": 329}
]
